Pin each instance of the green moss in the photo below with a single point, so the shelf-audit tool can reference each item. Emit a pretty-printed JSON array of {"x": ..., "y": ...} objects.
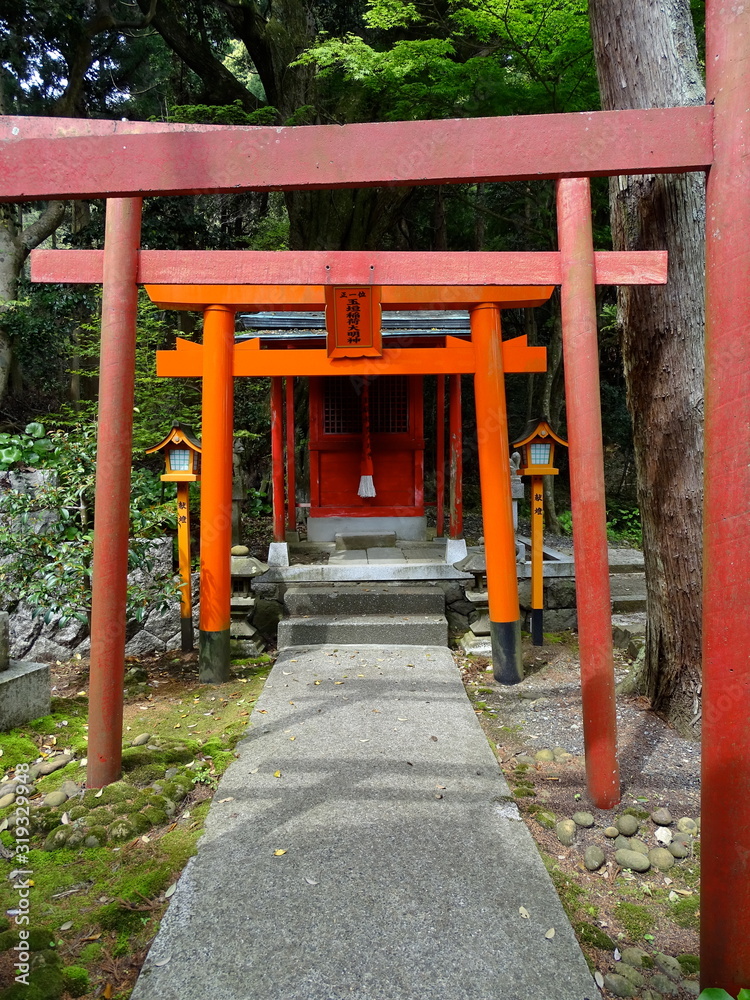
[
  {"x": 45, "y": 983},
  {"x": 638, "y": 813},
  {"x": 76, "y": 980},
  {"x": 18, "y": 748},
  {"x": 145, "y": 773},
  {"x": 570, "y": 892},
  {"x": 98, "y": 834},
  {"x": 40, "y": 939},
  {"x": 593, "y": 935},
  {"x": 685, "y": 912},
  {"x": 100, "y": 815},
  {"x": 546, "y": 819},
  {"x": 524, "y": 791},
  {"x": 121, "y": 829},
  {"x": 116, "y": 917},
  {"x": 57, "y": 838},
  {"x": 689, "y": 964},
  {"x": 8, "y": 939},
  {"x": 4, "y": 924},
  {"x": 139, "y": 822},
  {"x": 155, "y": 816},
  {"x": 117, "y": 792},
  {"x": 90, "y": 953},
  {"x": 78, "y": 812},
  {"x": 636, "y": 920}
]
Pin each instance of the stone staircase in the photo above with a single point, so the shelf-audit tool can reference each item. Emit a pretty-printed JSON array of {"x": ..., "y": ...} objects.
[{"x": 363, "y": 614}]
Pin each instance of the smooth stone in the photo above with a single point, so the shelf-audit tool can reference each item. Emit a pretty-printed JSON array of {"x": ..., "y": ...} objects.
[
  {"x": 651, "y": 995},
  {"x": 663, "y": 984},
  {"x": 611, "y": 832},
  {"x": 622, "y": 843},
  {"x": 593, "y": 858},
  {"x": 632, "y": 859},
  {"x": 547, "y": 819},
  {"x": 48, "y": 766},
  {"x": 627, "y": 825},
  {"x": 619, "y": 985},
  {"x": 56, "y": 798},
  {"x": 566, "y": 832},
  {"x": 7, "y": 800},
  {"x": 544, "y": 755},
  {"x": 669, "y": 965},
  {"x": 682, "y": 838},
  {"x": 664, "y": 836},
  {"x": 662, "y": 817},
  {"x": 661, "y": 858},
  {"x": 634, "y": 957},
  {"x": 524, "y": 758},
  {"x": 631, "y": 974},
  {"x": 240, "y": 550},
  {"x": 687, "y": 825},
  {"x": 638, "y": 845},
  {"x": 678, "y": 850},
  {"x": 70, "y": 788},
  {"x": 584, "y": 819},
  {"x": 690, "y": 986},
  {"x": 139, "y": 741}
]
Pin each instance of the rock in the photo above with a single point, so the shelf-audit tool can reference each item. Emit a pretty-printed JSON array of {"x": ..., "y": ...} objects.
[
  {"x": 619, "y": 986},
  {"x": 70, "y": 788},
  {"x": 669, "y": 965},
  {"x": 638, "y": 845},
  {"x": 611, "y": 832},
  {"x": 7, "y": 800},
  {"x": 678, "y": 850},
  {"x": 144, "y": 642},
  {"x": 593, "y": 858},
  {"x": 141, "y": 740},
  {"x": 690, "y": 987},
  {"x": 622, "y": 843},
  {"x": 682, "y": 838},
  {"x": 631, "y": 974},
  {"x": 524, "y": 758},
  {"x": 544, "y": 755},
  {"x": 651, "y": 995},
  {"x": 546, "y": 819},
  {"x": 25, "y": 626},
  {"x": 687, "y": 825},
  {"x": 563, "y": 757},
  {"x": 662, "y": 817},
  {"x": 48, "y": 766},
  {"x": 584, "y": 819},
  {"x": 633, "y": 860},
  {"x": 663, "y": 984},
  {"x": 627, "y": 825},
  {"x": 664, "y": 836},
  {"x": 566, "y": 832},
  {"x": 661, "y": 858},
  {"x": 240, "y": 550},
  {"x": 53, "y": 799},
  {"x": 635, "y": 957}
]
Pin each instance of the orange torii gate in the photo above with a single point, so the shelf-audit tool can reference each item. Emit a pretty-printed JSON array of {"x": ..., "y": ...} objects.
[{"x": 60, "y": 158}]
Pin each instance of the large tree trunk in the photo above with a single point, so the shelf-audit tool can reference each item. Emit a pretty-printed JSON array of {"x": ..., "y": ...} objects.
[{"x": 646, "y": 57}]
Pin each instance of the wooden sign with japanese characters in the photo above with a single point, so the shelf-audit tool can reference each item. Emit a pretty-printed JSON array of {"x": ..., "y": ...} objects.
[{"x": 353, "y": 321}]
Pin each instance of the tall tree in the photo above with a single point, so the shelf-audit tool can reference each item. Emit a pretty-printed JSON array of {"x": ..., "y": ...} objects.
[{"x": 646, "y": 57}]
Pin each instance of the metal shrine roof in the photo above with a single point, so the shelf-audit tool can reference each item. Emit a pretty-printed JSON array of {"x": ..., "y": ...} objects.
[{"x": 397, "y": 323}]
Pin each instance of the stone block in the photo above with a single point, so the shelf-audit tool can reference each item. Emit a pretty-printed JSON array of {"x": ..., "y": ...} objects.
[
  {"x": 385, "y": 555},
  {"x": 24, "y": 693},
  {"x": 4, "y": 641},
  {"x": 560, "y": 620},
  {"x": 560, "y": 593},
  {"x": 47, "y": 650},
  {"x": 481, "y": 626},
  {"x": 370, "y": 599},
  {"x": 365, "y": 540},
  {"x": 398, "y": 630}
]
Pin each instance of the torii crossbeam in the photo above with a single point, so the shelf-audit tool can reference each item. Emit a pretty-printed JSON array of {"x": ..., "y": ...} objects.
[{"x": 45, "y": 158}]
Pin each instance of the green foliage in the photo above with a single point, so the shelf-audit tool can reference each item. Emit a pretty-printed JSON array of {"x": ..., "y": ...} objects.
[
  {"x": 28, "y": 449},
  {"x": 76, "y": 980},
  {"x": 685, "y": 912},
  {"x": 713, "y": 993},
  {"x": 624, "y": 525},
  {"x": 223, "y": 114},
  {"x": 636, "y": 919},
  {"x": 565, "y": 520}
]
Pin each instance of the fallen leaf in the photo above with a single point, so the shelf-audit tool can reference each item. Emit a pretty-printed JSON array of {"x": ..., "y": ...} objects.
[
  {"x": 599, "y": 979},
  {"x": 400, "y": 719},
  {"x": 338, "y": 682},
  {"x": 550, "y": 933},
  {"x": 99, "y": 793},
  {"x": 108, "y": 991},
  {"x": 277, "y": 854},
  {"x": 170, "y": 891},
  {"x": 229, "y": 798},
  {"x": 277, "y": 774},
  {"x": 66, "y": 926},
  {"x": 255, "y": 770},
  {"x": 177, "y": 726},
  {"x": 618, "y": 956},
  {"x": 364, "y": 741},
  {"x": 163, "y": 961},
  {"x": 292, "y": 739},
  {"x": 65, "y": 819},
  {"x": 311, "y": 881},
  {"x": 286, "y": 672},
  {"x": 524, "y": 912},
  {"x": 93, "y": 937},
  {"x": 145, "y": 839}
]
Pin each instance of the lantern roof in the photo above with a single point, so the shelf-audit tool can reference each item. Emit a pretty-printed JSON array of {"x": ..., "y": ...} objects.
[
  {"x": 540, "y": 427},
  {"x": 180, "y": 434}
]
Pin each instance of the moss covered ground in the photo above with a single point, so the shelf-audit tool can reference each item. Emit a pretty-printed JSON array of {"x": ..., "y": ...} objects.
[{"x": 103, "y": 862}]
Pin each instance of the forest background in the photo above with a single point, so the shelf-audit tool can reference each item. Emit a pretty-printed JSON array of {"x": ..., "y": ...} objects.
[{"x": 301, "y": 62}]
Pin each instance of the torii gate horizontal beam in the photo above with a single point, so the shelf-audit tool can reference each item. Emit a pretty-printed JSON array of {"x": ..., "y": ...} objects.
[
  {"x": 211, "y": 159},
  {"x": 343, "y": 267}
]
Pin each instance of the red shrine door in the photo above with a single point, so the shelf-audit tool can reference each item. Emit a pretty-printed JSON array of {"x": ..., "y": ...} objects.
[{"x": 336, "y": 445}]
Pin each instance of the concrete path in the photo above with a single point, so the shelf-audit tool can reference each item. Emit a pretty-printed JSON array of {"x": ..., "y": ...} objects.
[{"x": 405, "y": 864}]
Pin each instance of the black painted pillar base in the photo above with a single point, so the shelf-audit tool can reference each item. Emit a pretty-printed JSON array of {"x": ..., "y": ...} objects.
[
  {"x": 537, "y": 627},
  {"x": 213, "y": 657},
  {"x": 507, "y": 667},
  {"x": 187, "y": 635}
]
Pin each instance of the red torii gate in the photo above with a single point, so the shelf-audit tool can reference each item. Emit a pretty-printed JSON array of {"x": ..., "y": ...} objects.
[{"x": 41, "y": 159}]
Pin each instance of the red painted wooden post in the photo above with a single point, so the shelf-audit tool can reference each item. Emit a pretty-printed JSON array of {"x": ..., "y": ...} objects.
[
  {"x": 216, "y": 493},
  {"x": 587, "y": 497},
  {"x": 112, "y": 507},
  {"x": 725, "y": 810},
  {"x": 291, "y": 482},
  {"x": 277, "y": 457},
  {"x": 456, "y": 473},
  {"x": 497, "y": 510},
  {"x": 440, "y": 454}
]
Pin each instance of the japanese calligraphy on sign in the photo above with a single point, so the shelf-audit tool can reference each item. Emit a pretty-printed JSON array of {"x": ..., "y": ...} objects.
[{"x": 353, "y": 321}]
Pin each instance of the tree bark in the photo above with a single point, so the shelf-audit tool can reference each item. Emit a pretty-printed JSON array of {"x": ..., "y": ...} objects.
[{"x": 646, "y": 57}]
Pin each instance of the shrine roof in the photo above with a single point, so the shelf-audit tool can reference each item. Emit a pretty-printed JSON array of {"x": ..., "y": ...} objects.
[{"x": 397, "y": 323}]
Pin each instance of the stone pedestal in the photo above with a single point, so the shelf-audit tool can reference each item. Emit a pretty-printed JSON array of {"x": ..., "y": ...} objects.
[{"x": 24, "y": 686}]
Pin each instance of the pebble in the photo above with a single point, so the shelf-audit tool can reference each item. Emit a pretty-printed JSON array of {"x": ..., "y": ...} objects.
[
  {"x": 682, "y": 838},
  {"x": 665, "y": 963},
  {"x": 611, "y": 832},
  {"x": 690, "y": 987},
  {"x": 70, "y": 788},
  {"x": 687, "y": 825},
  {"x": 240, "y": 550},
  {"x": 632, "y": 859},
  {"x": 632, "y": 975},
  {"x": 663, "y": 984},
  {"x": 139, "y": 741},
  {"x": 584, "y": 819},
  {"x": 661, "y": 858},
  {"x": 664, "y": 836},
  {"x": 627, "y": 825},
  {"x": 566, "y": 832},
  {"x": 619, "y": 985},
  {"x": 524, "y": 758},
  {"x": 638, "y": 845},
  {"x": 678, "y": 850},
  {"x": 56, "y": 798},
  {"x": 622, "y": 843},
  {"x": 7, "y": 800},
  {"x": 593, "y": 858},
  {"x": 634, "y": 957},
  {"x": 650, "y": 995},
  {"x": 48, "y": 766},
  {"x": 662, "y": 817},
  {"x": 547, "y": 819},
  {"x": 544, "y": 755}
]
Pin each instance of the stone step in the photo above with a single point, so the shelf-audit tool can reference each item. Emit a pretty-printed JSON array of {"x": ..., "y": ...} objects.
[
  {"x": 359, "y": 630},
  {"x": 365, "y": 540},
  {"x": 370, "y": 599},
  {"x": 628, "y": 603}
]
